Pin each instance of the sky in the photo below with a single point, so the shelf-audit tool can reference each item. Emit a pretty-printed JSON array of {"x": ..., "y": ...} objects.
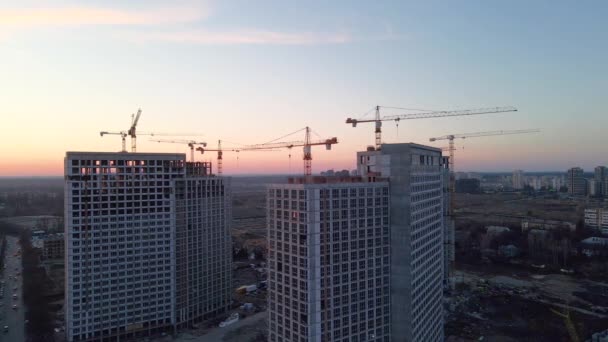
[{"x": 248, "y": 72}]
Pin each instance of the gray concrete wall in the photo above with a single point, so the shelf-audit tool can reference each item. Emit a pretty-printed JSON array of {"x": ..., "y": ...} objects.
[{"x": 401, "y": 277}]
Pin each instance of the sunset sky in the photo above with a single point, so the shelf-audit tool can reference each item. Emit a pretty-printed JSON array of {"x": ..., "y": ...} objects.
[{"x": 251, "y": 71}]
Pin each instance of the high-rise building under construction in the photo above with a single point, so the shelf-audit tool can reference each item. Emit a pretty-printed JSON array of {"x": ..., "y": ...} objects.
[
  {"x": 148, "y": 247},
  {"x": 361, "y": 258}
]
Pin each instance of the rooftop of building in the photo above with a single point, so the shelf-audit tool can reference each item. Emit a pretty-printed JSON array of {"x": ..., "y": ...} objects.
[
  {"x": 124, "y": 155},
  {"x": 396, "y": 146},
  {"x": 329, "y": 180}
]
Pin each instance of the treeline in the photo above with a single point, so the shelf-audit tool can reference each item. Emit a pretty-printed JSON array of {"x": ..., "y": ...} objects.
[{"x": 40, "y": 326}]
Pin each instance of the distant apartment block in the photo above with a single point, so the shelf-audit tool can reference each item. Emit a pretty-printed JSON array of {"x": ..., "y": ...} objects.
[
  {"x": 329, "y": 260},
  {"x": 518, "y": 179},
  {"x": 597, "y": 218},
  {"x": 535, "y": 183},
  {"x": 147, "y": 244},
  {"x": 577, "y": 184},
  {"x": 557, "y": 183},
  {"x": 600, "y": 181},
  {"x": 53, "y": 246},
  {"x": 600, "y": 177},
  {"x": 592, "y": 189}
]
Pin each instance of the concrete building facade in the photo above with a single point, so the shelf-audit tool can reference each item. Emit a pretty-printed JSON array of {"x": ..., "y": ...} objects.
[
  {"x": 203, "y": 255},
  {"x": 417, "y": 228},
  {"x": 361, "y": 260},
  {"x": 53, "y": 246},
  {"x": 131, "y": 221},
  {"x": 577, "y": 184},
  {"x": 597, "y": 218},
  {"x": 518, "y": 179},
  {"x": 600, "y": 178},
  {"x": 328, "y": 261}
]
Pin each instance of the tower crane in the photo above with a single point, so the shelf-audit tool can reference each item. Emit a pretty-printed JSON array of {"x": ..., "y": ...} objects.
[
  {"x": 131, "y": 132},
  {"x": 451, "y": 150},
  {"x": 124, "y": 135},
  {"x": 220, "y": 153},
  {"x": 423, "y": 115},
  {"x": 306, "y": 144},
  {"x": 190, "y": 144},
  {"x": 132, "y": 129}
]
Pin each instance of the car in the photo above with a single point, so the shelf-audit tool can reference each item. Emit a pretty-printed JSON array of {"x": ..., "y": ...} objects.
[
  {"x": 5, "y": 328},
  {"x": 14, "y": 306},
  {"x": 14, "y": 296}
]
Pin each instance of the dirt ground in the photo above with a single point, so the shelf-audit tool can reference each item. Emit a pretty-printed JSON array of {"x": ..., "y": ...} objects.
[
  {"x": 518, "y": 305},
  {"x": 505, "y": 205}
]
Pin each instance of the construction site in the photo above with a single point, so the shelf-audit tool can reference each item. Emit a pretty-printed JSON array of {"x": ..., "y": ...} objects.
[
  {"x": 487, "y": 298},
  {"x": 506, "y": 304},
  {"x": 495, "y": 305}
]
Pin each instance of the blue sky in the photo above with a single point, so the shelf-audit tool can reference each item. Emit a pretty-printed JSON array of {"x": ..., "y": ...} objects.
[{"x": 249, "y": 71}]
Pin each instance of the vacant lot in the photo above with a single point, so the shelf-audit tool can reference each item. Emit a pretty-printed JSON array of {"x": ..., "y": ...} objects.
[{"x": 509, "y": 206}]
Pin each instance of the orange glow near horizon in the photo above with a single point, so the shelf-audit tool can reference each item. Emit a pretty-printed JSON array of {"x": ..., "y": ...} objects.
[{"x": 246, "y": 163}]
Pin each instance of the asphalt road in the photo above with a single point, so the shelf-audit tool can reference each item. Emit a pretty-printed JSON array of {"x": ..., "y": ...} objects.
[{"x": 10, "y": 317}]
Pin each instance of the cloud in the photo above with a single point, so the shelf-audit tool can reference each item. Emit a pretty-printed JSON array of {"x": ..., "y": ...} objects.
[
  {"x": 14, "y": 20},
  {"x": 245, "y": 37},
  {"x": 79, "y": 16}
]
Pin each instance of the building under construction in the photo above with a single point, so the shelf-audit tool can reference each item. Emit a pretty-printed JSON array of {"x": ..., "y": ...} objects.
[
  {"x": 148, "y": 246},
  {"x": 360, "y": 258}
]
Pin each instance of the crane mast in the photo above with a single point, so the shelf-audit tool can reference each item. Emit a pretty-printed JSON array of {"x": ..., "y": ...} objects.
[
  {"x": 306, "y": 144},
  {"x": 424, "y": 115},
  {"x": 123, "y": 136},
  {"x": 378, "y": 131},
  {"x": 307, "y": 154},
  {"x": 220, "y": 154},
  {"x": 451, "y": 149},
  {"x": 219, "y": 157},
  {"x": 190, "y": 144},
  {"x": 132, "y": 130},
  {"x": 450, "y": 138}
]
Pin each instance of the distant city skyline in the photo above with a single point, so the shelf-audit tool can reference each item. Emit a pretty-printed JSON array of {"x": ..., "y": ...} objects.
[{"x": 249, "y": 73}]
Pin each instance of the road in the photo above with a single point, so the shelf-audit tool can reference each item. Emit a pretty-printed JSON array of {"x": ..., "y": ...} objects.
[{"x": 14, "y": 319}]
